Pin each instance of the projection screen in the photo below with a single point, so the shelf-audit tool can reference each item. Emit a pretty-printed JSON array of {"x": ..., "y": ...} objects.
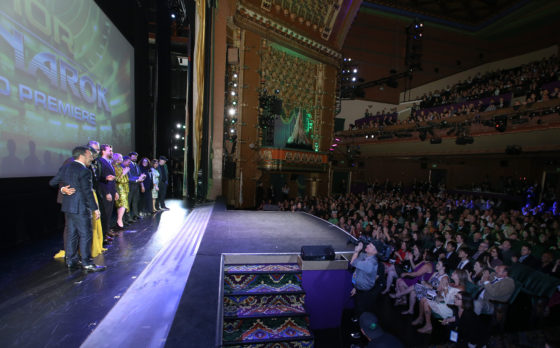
[{"x": 66, "y": 77}]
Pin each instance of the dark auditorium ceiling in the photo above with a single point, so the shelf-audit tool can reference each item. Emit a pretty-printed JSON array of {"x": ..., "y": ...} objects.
[{"x": 459, "y": 13}]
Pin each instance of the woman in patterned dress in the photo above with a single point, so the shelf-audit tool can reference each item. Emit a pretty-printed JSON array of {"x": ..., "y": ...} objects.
[{"x": 121, "y": 178}]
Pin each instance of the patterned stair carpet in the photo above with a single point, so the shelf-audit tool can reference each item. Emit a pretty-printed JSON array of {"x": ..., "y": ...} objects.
[
  {"x": 262, "y": 283},
  {"x": 263, "y": 268},
  {"x": 264, "y": 307},
  {"x": 277, "y": 304}
]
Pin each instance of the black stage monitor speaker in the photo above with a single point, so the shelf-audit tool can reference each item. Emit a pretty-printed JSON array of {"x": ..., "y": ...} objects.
[{"x": 317, "y": 252}]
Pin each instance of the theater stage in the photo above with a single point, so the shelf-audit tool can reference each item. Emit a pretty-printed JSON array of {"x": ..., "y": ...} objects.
[{"x": 162, "y": 283}]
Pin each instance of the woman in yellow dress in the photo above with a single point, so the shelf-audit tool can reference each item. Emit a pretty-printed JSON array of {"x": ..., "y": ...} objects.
[
  {"x": 97, "y": 238},
  {"x": 121, "y": 173}
]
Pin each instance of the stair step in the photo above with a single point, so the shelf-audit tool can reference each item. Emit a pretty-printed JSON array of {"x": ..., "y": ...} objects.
[
  {"x": 262, "y": 283},
  {"x": 287, "y": 344},
  {"x": 263, "y": 268},
  {"x": 264, "y": 305},
  {"x": 249, "y": 330}
]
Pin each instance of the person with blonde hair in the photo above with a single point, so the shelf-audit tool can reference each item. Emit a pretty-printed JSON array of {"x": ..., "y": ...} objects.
[{"x": 121, "y": 178}]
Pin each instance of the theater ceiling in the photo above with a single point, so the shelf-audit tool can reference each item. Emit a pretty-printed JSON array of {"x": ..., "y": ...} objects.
[{"x": 470, "y": 12}]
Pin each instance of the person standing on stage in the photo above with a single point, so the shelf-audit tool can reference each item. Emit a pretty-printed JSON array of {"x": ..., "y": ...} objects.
[
  {"x": 107, "y": 188},
  {"x": 121, "y": 167},
  {"x": 155, "y": 188},
  {"x": 162, "y": 184},
  {"x": 146, "y": 204},
  {"x": 135, "y": 178},
  {"x": 78, "y": 208}
]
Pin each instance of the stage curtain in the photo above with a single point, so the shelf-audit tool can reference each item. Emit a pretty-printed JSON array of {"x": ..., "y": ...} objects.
[{"x": 198, "y": 83}]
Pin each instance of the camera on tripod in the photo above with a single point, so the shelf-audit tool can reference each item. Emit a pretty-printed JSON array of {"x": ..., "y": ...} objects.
[{"x": 384, "y": 250}]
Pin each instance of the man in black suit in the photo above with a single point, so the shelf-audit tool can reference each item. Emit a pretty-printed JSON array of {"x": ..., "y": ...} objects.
[
  {"x": 465, "y": 264},
  {"x": 78, "y": 208},
  {"x": 438, "y": 249},
  {"x": 526, "y": 258},
  {"x": 107, "y": 188},
  {"x": 451, "y": 256},
  {"x": 134, "y": 180},
  {"x": 163, "y": 181}
]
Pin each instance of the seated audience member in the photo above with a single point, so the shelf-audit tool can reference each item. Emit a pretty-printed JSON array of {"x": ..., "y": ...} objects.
[
  {"x": 440, "y": 304},
  {"x": 507, "y": 252},
  {"x": 526, "y": 258},
  {"x": 481, "y": 252},
  {"x": 477, "y": 272},
  {"x": 438, "y": 249},
  {"x": 465, "y": 263},
  {"x": 450, "y": 255},
  {"x": 393, "y": 270},
  {"x": 476, "y": 240},
  {"x": 460, "y": 240},
  {"x": 500, "y": 289},
  {"x": 421, "y": 271},
  {"x": 470, "y": 328},
  {"x": 369, "y": 324},
  {"x": 439, "y": 280},
  {"x": 494, "y": 260},
  {"x": 547, "y": 263}
]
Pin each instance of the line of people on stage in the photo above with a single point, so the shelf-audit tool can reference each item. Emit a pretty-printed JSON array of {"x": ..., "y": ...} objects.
[{"x": 95, "y": 185}]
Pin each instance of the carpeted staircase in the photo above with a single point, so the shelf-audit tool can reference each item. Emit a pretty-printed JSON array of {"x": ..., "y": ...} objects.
[{"x": 264, "y": 307}]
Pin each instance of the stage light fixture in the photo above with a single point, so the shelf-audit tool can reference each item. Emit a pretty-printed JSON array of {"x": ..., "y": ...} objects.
[
  {"x": 175, "y": 147},
  {"x": 231, "y": 111},
  {"x": 177, "y": 136},
  {"x": 353, "y": 79},
  {"x": 355, "y": 70},
  {"x": 234, "y": 76},
  {"x": 173, "y": 15},
  {"x": 233, "y": 93},
  {"x": 178, "y": 125}
]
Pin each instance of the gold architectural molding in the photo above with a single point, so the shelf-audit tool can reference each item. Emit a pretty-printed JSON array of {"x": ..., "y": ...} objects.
[{"x": 249, "y": 19}]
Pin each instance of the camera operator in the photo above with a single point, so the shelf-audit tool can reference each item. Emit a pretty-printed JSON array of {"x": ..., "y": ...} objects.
[{"x": 364, "y": 278}]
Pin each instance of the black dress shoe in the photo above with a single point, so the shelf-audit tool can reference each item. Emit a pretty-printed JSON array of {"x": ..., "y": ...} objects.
[
  {"x": 74, "y": 265},
  {"x": 356, "y": 335},
  {"x": 93, "y": 268}
]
